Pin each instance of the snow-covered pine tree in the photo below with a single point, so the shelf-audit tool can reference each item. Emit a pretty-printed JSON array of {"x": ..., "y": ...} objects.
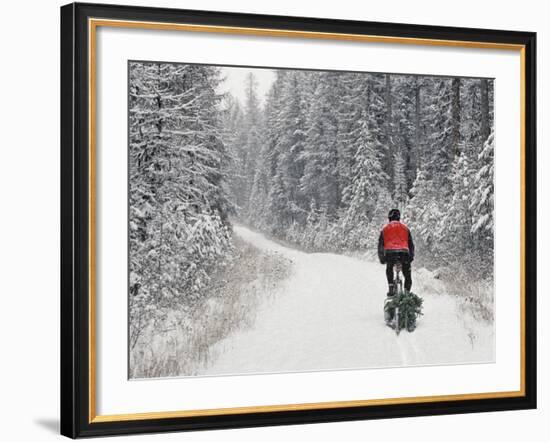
[
  {"x": 442, "y": 132},
  {"x": 258, "y": 205},
  {"x": 234, "y": 137},
  {"x": 275, "y": 213},
  {"x": 355, "y": 111},
  {"x": 252, "y": 103},
  {"x": 379, "y": 218},
  {"x": 476, "y": 111},
  {"x": 378, "y": 111},
  {"x": 405, "y": 122},
  {"x": 400, "y": 188},
  {"x": 389, "y": 126},
  {"x": 320, "y": 179},
  {"x": 424, "y": 211},
  {"x": 178, "y": 209},
  {"x": 253, "y": 148},
  {"x": 453, "y": 229},
  {"x": 249, "y": 152},
  {"x": 291, "y": 145},
  {"x": 368, "y": 181},
  {"x": 353, "y": 104},
  {"x": 482, "y": 201},
  {"x": 486, "y": 87},
  {"x": 258, "y": 201}
]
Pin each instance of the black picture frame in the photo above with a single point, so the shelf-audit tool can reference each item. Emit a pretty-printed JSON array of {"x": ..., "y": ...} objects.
[{"x": 75, "y": 245}]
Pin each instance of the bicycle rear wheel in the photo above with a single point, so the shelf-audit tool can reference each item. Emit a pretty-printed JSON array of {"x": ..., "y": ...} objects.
[{"x": 397, "y": 326}]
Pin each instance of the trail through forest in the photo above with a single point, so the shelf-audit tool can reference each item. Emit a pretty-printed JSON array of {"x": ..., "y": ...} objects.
[
  {"x": 328, "y": 315},
  {"x": 317, "y": 162}
]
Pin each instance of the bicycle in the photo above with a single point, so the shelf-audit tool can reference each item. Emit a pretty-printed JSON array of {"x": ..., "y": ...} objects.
[
  {"x": 402, "y": 307},
  {"x": 391, "y": 315}
]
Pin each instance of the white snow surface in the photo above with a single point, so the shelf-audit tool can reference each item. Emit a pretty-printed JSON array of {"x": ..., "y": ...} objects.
[{"x": 328, "y": 315}]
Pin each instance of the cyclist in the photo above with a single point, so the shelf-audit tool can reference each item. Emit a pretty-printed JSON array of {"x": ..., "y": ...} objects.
[{"x": 395, "y": 244}]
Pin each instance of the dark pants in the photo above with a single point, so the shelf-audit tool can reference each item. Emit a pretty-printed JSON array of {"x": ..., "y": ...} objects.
[{"x": 403, "y": 257}]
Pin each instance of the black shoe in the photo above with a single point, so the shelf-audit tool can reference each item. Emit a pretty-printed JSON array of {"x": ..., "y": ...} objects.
[{"x": 391, "y": 291}]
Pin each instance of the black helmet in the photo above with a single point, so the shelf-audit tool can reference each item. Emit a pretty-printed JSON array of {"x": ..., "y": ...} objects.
[{"x": 394, "y": 215}]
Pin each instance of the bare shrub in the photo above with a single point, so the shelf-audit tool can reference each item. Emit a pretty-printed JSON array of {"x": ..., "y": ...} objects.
[{"x": 180, "y": 343}]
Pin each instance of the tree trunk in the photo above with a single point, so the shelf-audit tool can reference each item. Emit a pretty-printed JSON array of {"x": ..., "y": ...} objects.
[
  {"x": 417, "y": 151},
  {"x": 455, "y": 115},
  {"x": 485, "y": 130},
  {"x": 389, "y": 134}
]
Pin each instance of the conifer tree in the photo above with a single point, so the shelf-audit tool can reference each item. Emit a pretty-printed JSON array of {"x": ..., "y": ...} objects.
[
  {"x": 178, "y": 208},
  {"x": 482, "y": 203},
  {"x": 320, "y": 179}
]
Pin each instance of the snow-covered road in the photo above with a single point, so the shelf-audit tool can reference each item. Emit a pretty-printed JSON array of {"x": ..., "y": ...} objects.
[{"x": 328, "y": 315}]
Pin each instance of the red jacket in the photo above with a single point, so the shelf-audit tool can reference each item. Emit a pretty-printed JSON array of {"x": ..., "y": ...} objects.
[{"x": 395, "y": 236}]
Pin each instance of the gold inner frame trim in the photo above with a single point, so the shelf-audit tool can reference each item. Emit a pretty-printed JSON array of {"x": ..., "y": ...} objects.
[{"x": 93, "y": 23}]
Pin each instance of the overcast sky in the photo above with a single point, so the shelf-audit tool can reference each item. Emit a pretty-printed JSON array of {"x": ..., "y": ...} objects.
[{"x": 235, "y": 81}]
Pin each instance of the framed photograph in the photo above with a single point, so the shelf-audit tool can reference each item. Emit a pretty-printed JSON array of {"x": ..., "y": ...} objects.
[{"x": 273, "y": 220}]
